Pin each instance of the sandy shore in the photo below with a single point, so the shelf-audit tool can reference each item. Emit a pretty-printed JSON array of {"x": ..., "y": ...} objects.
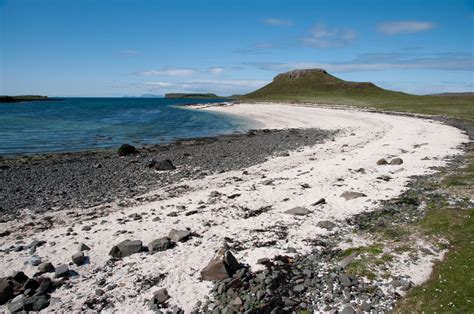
[{"x": 324, "y": 170}]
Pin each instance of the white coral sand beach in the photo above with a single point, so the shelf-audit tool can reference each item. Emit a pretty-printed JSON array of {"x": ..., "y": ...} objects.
[{"x": 325, "y": 170}]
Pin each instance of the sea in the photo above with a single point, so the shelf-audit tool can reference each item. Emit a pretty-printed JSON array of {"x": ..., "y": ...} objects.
[{"x": 81, "y": 124}]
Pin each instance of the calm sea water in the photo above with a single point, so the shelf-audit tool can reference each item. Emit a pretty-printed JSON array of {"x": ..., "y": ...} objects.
[{"x": 89, "y": 123}]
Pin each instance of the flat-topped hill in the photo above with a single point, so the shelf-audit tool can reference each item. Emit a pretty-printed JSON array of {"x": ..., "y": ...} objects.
[
  {"x": 318, "y": 86},
  {"x": 313, "y": 82}
]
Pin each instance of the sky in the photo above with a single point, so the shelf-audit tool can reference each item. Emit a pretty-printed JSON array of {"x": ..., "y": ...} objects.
[{"x": 116, "y": 48}]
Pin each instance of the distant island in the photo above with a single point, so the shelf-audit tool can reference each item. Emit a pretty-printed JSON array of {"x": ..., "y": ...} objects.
[
  {"x": 193, "y": 95},
  {"x": 22, "y": 98}
]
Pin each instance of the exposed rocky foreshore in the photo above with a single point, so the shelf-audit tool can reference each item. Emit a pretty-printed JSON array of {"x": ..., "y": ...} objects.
[{"x": 82, "y": 180}]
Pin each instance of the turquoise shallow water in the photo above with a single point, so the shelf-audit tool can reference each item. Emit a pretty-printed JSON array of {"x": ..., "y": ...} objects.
[{"x": 76, "y": 124}]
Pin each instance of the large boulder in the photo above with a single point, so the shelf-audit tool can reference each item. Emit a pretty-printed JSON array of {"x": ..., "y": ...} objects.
[
  {"x": 6, "y": 290},
  {"x": 126, "y": 248},
  {"x": 382, "y": 162},
  {"x": 61, "y": 271},
  {"x": 161, "y": 165},
  {"x": 126, "y": 149},
  {"x": 161, "y": 244},
  {"x": 45, "y": 267},
  {"x": 179, "y": 235},
  {"x": 78, "y": 258},
  {"x": 352, "y": 195},
  {"x": 223, "y": 265},
  {"x": 396, "y": 161},
  {"x": 298, "y": 211}
]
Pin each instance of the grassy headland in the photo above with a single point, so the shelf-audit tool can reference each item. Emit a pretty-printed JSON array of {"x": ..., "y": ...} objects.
[
  {"x": 10, "y": 99},
  {"x": 317, "y": 86}
]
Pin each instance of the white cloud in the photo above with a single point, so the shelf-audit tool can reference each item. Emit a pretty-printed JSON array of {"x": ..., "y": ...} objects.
[
  {"x": 129, "y": 52},
  {"x": 220, "y": 87},
  {"x": 277, "y": 22},
  {"x": 404, "y": 27},
  {"x": 215, "y": 70},
  {"x": 183, "y": 72},
  {"x": 320, "y": 36},
  {"x": 158, "y": 85},
  {"x": 381, "y": 62}
]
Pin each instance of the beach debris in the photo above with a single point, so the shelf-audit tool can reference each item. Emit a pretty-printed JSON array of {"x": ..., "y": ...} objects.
[
  {"x": 382, "y": 162},
  {"x": 45, "y": 267},
  {"x": 349, "y": 195},
  {"x": 179, "y": 235},
  {"x": 78, "y": 258},
  {"x": 305, "y": 186},
  {"x": 321, "y": 201},
  {"x": 223, "y": 265},
  {"x": 298, "y": 211},
  {"x": 161, "y": 244},
  {"x": 396, "y": 161},
  {"x": 126, "y": 149},
  {"x": 326, "y": 224},
  {"x": 126, "y": 248}
]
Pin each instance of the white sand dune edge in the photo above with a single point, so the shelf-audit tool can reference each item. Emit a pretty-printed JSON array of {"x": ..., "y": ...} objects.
[{"x": 365, "y": 138}]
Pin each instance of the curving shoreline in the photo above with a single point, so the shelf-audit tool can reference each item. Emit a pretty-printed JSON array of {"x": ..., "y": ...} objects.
[{"x": 284, "y": 182}]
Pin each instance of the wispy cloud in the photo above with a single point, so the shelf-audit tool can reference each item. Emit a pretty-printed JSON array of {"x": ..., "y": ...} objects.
[
  {"x": 321, "y": 36},
  {"x": 178, "y": 72},
  {"x": 223, "y": 87},
  {"x": 277, "y": 22},
  {"x": 381, "y": 62},
  {"x": 404, "y": 27},
  {"x": 129, "y": 52},
  {"x": 215, "y": 70}
]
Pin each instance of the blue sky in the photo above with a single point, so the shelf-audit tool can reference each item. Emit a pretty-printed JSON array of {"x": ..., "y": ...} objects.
[{"x": 115, "y": 48}]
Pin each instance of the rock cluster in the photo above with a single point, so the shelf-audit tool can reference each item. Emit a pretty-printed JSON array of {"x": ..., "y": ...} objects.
[
  {"x": 26, "y": 294},
  {"x": 302, "y": 283}
]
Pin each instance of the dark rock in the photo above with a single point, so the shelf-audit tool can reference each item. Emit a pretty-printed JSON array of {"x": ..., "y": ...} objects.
[
  {"x": 326, "y": 224},
  {"x": 35, "y": 260},
  {"x": 31, "y": 284},
  {"x": 45, "y": 286},
  {"x": 321, "y": 201},
  {"x": 298, "y": 211},
  {"x": 161, "y": 296},
  {"x": 19, "y": 277},
  {"x": 345, "y": 280},
  {"x": 179, "y": 235},
  {"x": 126, "y": 149},
  {"x": 223, "y": 265},
  {"x": 84, "y": 247},
  {"x": 126, "y": 248},
  {"x": 6, "y": 290},
  {"x": 36, "y": 303},
  {"x": 164, "y": 165},
  {"x": 45, "y": 267},
  {"x": 99, "y": 292},
  {"x": 396, "y": 161},
  {"x": 263, "y": 260},
  {"x": 382, "y": 162},
  {"x": 61, "y": 271},
  {"x": 352, "y": 195},
  {"x": 78, "y": 258},
  {"x": 160, "y": 244}
]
